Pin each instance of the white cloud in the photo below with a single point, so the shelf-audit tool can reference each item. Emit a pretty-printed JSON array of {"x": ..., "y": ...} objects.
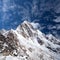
[
  {"x": 57, "y": 20},
  {"x": 35, "y": 25}
]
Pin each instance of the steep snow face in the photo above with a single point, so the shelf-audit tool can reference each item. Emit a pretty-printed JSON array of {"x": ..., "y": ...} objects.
[{"x": 28, "y": 43}]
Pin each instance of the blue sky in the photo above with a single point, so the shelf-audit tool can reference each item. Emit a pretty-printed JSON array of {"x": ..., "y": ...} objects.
[
  {"x": 13, "y": 12},
  {"x": 44, "y": 12}
]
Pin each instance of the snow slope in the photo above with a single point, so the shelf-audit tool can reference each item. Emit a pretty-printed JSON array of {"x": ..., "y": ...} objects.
[{"x": 28, "y": 43}]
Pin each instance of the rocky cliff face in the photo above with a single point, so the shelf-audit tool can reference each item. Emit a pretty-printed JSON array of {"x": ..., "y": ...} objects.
[
  {"x": 28, "y": 43},
  {"x": 8, "y": 44}
]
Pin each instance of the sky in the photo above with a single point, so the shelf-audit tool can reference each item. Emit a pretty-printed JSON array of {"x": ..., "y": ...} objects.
[
  {"x": 44, "y": 12},
  {"x": 13, "y": 12}
]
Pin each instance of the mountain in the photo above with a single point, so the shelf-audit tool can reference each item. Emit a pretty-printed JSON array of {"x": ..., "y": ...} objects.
[{"x": 28, "y": 43}]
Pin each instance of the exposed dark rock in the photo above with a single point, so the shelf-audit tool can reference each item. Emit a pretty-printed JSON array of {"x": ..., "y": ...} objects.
[
  {"x": 40, "y": 41},
  {"x": 52, "y": 49},
  {"x": 9, "y": 44}
]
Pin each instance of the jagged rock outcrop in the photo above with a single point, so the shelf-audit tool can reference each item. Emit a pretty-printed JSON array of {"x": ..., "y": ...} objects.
[{"x": 8, "y": 44}]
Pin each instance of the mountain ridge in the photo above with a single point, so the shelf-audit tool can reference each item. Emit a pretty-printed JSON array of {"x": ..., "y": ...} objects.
[{"x": 29, "y": 43}]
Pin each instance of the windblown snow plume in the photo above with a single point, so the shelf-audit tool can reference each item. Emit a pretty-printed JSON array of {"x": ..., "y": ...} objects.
[{"x": 28, "y": 43}]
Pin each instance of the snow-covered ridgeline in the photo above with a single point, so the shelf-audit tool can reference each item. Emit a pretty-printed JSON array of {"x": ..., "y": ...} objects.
[{"x": 29, "y": 43}]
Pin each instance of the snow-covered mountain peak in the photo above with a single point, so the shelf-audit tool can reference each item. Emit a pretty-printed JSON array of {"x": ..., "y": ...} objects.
[
  {"x": 26, "y": 29},
  {"x": 29, "y": 43}
]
